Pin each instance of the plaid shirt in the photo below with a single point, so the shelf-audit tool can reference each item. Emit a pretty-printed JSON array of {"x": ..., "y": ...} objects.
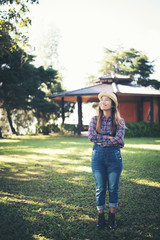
[{"x": 102, "y": 137}]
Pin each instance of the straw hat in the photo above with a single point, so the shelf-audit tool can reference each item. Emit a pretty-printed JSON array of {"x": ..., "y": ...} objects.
[{"x": 110, "y": 95}]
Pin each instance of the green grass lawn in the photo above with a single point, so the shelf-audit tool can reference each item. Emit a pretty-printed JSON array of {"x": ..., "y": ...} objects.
[{"x": 47, "y": 190}]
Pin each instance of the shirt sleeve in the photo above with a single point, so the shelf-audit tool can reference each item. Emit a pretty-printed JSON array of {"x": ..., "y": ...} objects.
[
  {"x": 118, "y": 140},
  {"x": 93, "y": 135}
]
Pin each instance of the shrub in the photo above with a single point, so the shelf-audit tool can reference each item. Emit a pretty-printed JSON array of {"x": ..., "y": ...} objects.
[
  {"x": 142, "y": 129},
  {"x": 85, "y": 127},
  {"x": 50, "y": 128},
  {"x": 69, "y": 127}
]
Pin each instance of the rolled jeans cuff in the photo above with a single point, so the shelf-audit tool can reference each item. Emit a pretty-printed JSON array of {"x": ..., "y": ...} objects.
[
  {"x": 101, "y": 207},
  {"x": 115, "y": 205}
]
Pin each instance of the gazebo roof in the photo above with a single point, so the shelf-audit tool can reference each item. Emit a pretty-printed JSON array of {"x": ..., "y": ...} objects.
[
  {"x": 89, "y": 94},
  {"x": 117, "y": 78}
]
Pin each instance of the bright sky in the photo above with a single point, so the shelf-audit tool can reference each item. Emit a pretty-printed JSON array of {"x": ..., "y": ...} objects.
[{"x": 87, "y": 27}]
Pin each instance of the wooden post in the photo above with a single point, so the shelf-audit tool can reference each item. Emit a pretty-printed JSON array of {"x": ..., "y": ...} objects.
[
  {"x": 140, "y": 118},
  {"x": 79, "y": 100},
  {"x": 151, "y": 110},
  {"x": 62, "y": 105}
]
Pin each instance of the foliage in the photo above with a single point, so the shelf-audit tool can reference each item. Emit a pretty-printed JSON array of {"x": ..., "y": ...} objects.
[
  {"x": 68, "y": 108},
  {"x": 48, "y": 190},
  {"x": 47, "y": 129},
  {"x": 64, "y": 128},
  {"x": 23, "y": 120},
  {"x": 142, "y": 129},
  {"x": 69, "y": 128},
  {"x": 129, "y": 62},
  {"x": 133, "y": 129},
  {"x": 24, "y": 87},
  {"x": 14, "y": 17},
  {"x": 85, "y": 127},
  {"x": 126, "y": 62},
  {"x": 2, "y": 2}
]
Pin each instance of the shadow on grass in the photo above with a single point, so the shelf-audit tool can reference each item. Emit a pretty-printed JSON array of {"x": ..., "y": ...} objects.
[{"x": 53, "y": 197}]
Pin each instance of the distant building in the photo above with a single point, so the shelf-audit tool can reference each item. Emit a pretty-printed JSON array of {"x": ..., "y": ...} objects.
[{"x": 136, "y": 103}]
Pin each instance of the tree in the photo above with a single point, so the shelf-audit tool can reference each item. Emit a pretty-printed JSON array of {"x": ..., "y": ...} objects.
[
  {"x": 23, "y": 87},
  {"x": 2, "y": 2},
  {"x": 21, "y": 84},
  {"x": 14, "y": 17},
  {"x": 129, "y": 62}
]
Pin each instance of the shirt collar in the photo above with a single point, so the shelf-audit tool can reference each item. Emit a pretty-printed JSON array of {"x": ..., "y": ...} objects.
[{"x": 109, "y": 118}]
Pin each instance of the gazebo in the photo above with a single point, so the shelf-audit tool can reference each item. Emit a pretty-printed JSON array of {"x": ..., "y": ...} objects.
[{"x": 136, "y": 103}]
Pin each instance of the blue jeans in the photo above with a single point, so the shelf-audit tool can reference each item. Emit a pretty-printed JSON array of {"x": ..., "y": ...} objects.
[{"x": 107, "y": 167}]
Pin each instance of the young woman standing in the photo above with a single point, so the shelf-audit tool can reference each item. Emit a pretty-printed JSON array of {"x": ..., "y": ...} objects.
[{"x": 107, "y": 132}]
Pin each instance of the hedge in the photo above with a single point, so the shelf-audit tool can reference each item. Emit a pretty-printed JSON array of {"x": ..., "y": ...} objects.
[{"x": 142, "y": 129}]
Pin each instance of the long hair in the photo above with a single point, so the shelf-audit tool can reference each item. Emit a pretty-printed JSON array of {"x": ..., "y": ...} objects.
[{"x": 116, "y": 119}]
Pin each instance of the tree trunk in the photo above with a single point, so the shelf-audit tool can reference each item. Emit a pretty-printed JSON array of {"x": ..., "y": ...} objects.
[
  {"x": 1, "y": 133},
  {"x": 10, "y": 122},
  {"x": 62, "y": 104}
]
